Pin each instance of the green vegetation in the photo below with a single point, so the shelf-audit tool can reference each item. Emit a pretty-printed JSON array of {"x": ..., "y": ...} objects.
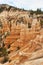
[
  {"x": 41, "y": 22},
  {"x": 29, "y": 25},
  {"x": 38, "y": 11},
  {"x": 4, "y": 53}
]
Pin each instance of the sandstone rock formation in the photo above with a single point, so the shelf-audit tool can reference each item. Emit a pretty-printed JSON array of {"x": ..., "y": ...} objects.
[{"x": 24, "y": 45}]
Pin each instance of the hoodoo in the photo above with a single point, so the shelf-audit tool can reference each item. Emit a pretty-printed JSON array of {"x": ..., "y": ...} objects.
[{"x": 21, "y": 37}]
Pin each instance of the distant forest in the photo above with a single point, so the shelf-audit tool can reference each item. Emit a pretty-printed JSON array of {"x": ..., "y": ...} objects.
[
  {"x": 8, "y": 8},
  {"x": 38, "y": 11}
]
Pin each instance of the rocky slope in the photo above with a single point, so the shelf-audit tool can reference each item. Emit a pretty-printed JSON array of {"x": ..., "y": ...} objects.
[{"x": 21, "y": 37}]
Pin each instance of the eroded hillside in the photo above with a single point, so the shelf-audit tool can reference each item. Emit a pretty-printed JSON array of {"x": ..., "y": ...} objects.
[{"x": 21, "y": 37}]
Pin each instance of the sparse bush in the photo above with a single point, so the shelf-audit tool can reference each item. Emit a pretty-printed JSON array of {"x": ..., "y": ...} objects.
[
  {"x": 41, "y": 22},
  {"x": 4, "y": 53},
  {"x": 29, "y": 25}
]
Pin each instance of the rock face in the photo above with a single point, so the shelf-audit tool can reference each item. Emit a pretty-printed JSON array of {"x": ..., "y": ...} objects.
[{"x": 24, "y": 45}]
